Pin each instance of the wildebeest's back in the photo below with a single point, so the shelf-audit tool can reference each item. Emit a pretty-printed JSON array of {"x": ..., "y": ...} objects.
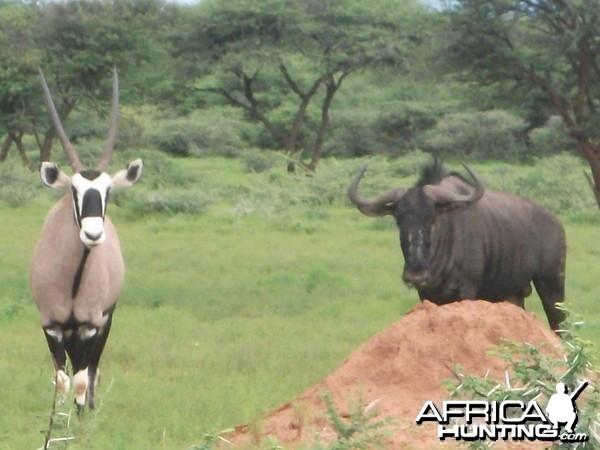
[{"x": 493, "y": 249}]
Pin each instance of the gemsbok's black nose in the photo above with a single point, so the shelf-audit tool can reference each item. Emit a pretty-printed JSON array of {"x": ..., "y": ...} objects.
[{"x": 93, "y": 236}]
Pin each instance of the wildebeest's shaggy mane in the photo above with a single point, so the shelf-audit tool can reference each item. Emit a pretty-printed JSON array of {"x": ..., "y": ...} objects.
[{"x": 432, "y": 173}]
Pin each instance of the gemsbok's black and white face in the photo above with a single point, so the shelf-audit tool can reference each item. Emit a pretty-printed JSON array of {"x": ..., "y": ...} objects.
[{"x": 90, "y": 191}]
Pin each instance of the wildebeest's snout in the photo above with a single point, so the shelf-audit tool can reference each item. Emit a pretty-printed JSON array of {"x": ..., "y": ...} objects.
[{"x": 415, "y": 277}]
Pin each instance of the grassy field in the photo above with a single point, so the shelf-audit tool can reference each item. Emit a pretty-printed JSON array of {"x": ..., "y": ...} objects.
[{"x": 231, "y": 311}]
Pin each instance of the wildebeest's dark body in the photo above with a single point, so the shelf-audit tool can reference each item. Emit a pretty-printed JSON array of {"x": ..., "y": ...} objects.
[{"x": 461, "y": 241}]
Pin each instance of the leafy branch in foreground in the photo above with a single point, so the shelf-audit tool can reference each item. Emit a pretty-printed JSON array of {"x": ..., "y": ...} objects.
[
  {"x": 57, "y": 420},
  {"x": 532, "y": 375},
  {"x": 359, "y": 429}
]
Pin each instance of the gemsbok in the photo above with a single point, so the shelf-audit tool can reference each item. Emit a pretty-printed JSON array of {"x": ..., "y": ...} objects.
[{"x": 77, "y": 269}]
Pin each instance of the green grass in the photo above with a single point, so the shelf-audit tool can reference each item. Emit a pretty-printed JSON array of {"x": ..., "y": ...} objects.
[{"x": 229, "y": 313}]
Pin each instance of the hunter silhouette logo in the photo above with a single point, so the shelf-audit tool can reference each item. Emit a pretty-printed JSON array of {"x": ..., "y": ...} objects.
[
  {"x": 472, "y": 420},
  {"x": 561, "y": 406}
]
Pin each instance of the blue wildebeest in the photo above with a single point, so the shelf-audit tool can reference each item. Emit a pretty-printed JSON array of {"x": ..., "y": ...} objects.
[
  {"x": 461, "y": 241},
  {"x": 77, "y": 269}
]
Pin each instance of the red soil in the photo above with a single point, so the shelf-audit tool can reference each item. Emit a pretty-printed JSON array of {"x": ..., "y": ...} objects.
[{"x": 402, "y": 367}]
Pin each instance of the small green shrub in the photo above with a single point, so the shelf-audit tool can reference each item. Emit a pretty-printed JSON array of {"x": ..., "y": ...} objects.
[
  {"x": 211, "y": 440},
  {"x": 169, "y": 201},
  {"x": 353, "y": 134},
  {"x": 159, "y": 171},
  {"x": 215, "y": 132},
  {"x": 361, "y": 429},
  {"x": 495, "y": 134},
  {"x": 18, "y": 185},
  {"x": 551, "y": 138},
  {"x": 259, "y": 160},
  {"x": 400, "y": 123},
  {"x": 84, "y": 126},
  {"x": 557, "y": 182},
  {"x": 172, "y": 138}
]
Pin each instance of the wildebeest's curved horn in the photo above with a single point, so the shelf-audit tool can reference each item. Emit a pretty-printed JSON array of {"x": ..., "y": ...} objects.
[
  {"x": 62, "y": 135},
  {"x": 380, "y": 205},
  {"x": 112, "y": 128},
  {"x": 455, "y": 190}
]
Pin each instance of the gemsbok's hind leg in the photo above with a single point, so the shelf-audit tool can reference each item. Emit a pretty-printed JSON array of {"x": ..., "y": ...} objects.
[
  {"x": 96, "y": 352},
  {"x": 56, "y": 343},
  {"x": 551, "y": 289}
]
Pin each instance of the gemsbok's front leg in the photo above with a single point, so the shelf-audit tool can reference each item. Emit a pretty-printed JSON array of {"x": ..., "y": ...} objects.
[
  {"x": 56, "y": 344},
  {"x": 96, "y": 351}
]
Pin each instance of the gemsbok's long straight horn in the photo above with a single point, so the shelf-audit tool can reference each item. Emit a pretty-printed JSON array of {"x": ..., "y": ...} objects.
[
  {"x": 62, "y": 135},
  {"x": 112, "y": 128}
]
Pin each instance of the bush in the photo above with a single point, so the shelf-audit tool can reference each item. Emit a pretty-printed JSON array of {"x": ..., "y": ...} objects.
[
  {"x": 170, "y": 201},
  {"x": 259, "y": 160},
  {"x": 550, "y": 139},
  {"x": 216, "y": 131},
  {"x": 400, "y": 123},
  {"x": 558, "y": 182},
  {"x": 353, "y": 134},
  {"x": 495, "y": 134},
  {"x": 18, "y": 185},
  {"x": 173, "y": 137}
]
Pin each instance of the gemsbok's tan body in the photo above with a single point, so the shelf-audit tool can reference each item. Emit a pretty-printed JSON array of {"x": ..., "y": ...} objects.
[{"x": 77, "y": 269}]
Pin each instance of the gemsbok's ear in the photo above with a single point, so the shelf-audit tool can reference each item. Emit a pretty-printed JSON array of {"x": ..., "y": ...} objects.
[
  {"x": 129, "y": 176},
  {"x": 52, "y": 176}
]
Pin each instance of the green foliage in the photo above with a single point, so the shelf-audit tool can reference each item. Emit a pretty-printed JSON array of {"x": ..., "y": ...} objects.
[
  {"x": 259, "y": 160},
  {"x": 173, "y": 139},
  {"x": 361, "y": 429},
  {"x": 558, "y": 183},
  {"x": 18, "y": 185},
  {"x": 551, "y": 138},
  {"x": 169, "y": 201},
  {"x": 19, "y": 57},
  {"x": 214, "y": 131},
  {"x": 491, "y": 134},
  {"x": 211, "y": 440},
  {"x": 533, "y": 373}
]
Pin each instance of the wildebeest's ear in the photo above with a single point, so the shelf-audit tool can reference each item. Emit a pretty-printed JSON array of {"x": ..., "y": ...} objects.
[
  {"x": 52, "y": 176},
  {"x": 128, "y": 176},
  {"x": 454, "y": 192}
]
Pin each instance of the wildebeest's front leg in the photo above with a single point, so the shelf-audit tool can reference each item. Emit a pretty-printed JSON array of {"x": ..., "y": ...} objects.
[{"x": 56, "y": 343}]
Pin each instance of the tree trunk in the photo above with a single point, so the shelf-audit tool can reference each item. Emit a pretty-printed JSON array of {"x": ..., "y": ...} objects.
[
  {"x": 18, "y": 139},
  {"x": 317, "y": 150},
  {"x": 8, "y": 140},
  {"x": 592, "y": 155},
  {"x": 332, "y": 87}
]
